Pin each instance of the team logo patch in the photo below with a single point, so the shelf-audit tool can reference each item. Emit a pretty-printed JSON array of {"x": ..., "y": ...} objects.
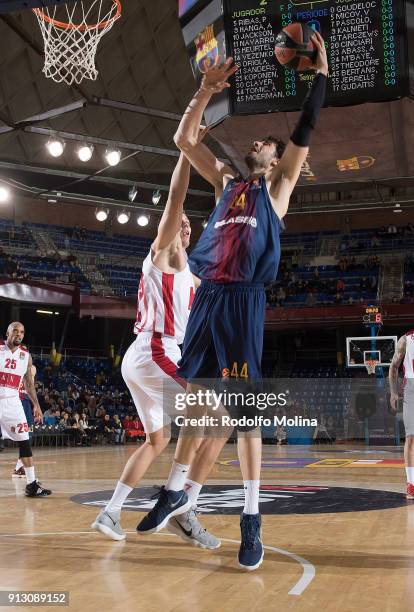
[
  {"x": 274, "y": 499},
  {"x": 22, "y": 355}
]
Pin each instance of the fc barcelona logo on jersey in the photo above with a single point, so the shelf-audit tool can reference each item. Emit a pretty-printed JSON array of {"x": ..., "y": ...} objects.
[{"x": 207, "y": 48}]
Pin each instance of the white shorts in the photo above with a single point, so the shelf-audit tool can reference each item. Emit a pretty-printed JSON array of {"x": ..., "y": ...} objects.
[
  {"x": 13, "y": 420},
  {"x": 408, "y": 407},
  {"x": 149, "y": 369}
]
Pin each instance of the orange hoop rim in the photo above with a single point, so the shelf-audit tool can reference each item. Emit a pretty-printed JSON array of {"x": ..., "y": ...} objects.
[{"x": 82, "y": 27}]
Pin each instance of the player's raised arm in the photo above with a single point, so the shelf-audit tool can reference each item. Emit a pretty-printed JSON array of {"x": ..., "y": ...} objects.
[
  {"x": 171, "y": 219},
  {"x": 393, "y": 373},
  {"x": 286, "y": 173},
  {"x": 203, "y": 160}
]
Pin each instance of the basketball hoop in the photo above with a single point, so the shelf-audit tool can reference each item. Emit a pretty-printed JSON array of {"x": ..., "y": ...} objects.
[
  {"x": 71, "y": 45},
  {"x": 370, "y": 365}
]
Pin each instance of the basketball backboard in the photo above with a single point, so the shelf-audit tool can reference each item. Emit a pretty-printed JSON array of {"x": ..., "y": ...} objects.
[{"x": 360, "y": 349}]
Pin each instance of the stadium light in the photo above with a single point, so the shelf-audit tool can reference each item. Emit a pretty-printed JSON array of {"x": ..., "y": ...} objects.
[
  {"x": 133, "y": 192},
  {"x": 143, "y": 220},
  {"x": 102, "y": 214},
  {"x": 156, "y": 197},
  {"x": 85, "y": 152},
  {"x": 55, "y": 146},
  {"x": 123, "y": 217},
  {"x": 113, "y": 156},
  {"x": 4, "y": 194},
  {"x": 397, "y": 208}
]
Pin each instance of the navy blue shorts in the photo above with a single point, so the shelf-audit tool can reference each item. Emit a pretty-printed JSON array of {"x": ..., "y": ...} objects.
[
  {"x": 27, "y": 407},
  {"x": 224, "y": 336}
]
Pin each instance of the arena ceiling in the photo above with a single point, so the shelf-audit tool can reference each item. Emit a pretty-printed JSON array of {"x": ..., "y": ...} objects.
[{"x": 144, "y": 84}]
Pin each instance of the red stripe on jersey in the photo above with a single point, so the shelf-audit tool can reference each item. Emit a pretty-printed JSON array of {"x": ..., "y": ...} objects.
[
  {"x": 11, "y": 381},
  {"x": 141, "y": 297},
  {"x": 167, "y": 298},
  {"x": 192, "y": 296},
  {"x": 164, "y": 362}
]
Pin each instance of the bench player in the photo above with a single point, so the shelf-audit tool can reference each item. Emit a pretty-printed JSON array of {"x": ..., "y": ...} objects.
[
  {"x": 15, "y": 368},
  {"x": 149, "y": 368},
  {"x": 404, "y": 354},
  {"x": 237, "y": 254}
]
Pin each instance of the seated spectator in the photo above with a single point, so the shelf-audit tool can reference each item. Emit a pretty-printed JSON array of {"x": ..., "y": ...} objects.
[
  {"x": 133, "y": 428},
  {"x": 375, "y": 241},
  {"x": 392, "y": 229},
  {"x": 310, "y": 300},
  {"x": 50, "y": 418},
  {"x": 340, "y": 285},
  {"x": 106, "y": 427},
  {"x": 119, "y": 430}
]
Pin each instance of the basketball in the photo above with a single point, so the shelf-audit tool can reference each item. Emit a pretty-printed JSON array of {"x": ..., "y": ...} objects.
[{"x": 294, "y": 47}]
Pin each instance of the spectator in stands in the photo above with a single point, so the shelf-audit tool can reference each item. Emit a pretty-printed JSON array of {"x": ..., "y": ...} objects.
[
  {"x": 338, "y": 298},
  {"x": 375, "y": 242},
  {"x": 391, "y": 229},
  {"x": 340, "y": 285},
  {"x": 310, "y": 299},
  {"x": 350, "y": 300},
  {"x": 281, "y": 296},
  {"x": 50, "y": 418},
  {"x": 410, "y": 228},
  {"x": 106, "y": 426},
  {"x": 119, "y": 430}
]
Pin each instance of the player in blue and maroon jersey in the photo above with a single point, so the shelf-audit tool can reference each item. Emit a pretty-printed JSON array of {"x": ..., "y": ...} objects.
[{"x": 236, "y": 256}]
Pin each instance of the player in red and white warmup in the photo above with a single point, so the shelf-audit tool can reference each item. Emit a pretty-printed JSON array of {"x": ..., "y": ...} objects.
[
  {"x": 15, "y": 368},
  {"x": 404, "y": 354},
  {"x": 165, "y": 296}
]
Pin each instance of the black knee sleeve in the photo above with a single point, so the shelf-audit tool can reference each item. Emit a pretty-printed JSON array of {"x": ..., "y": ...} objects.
[{"x": 25, "y": 449}]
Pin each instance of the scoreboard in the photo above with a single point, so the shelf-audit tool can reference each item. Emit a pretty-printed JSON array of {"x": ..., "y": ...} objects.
[
  {"x": 366, "y": 42},
  {"x": 372, "y": 316}
]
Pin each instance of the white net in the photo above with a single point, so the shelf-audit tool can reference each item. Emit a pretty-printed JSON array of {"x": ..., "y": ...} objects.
[
  {"x": 370, "y": 365},
  {"x": 71, "y": 34}
]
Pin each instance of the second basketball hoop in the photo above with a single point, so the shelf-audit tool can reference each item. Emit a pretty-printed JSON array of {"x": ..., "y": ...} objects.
[{"x": 71, "y": 35}]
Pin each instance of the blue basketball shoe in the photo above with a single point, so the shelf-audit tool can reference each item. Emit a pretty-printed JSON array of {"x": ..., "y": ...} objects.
[
  {"x": 169, "y": 504},
  {"x": 251, "y": 548}
]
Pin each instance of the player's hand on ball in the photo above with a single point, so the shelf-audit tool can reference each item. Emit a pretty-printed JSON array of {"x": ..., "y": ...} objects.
[
  {"x": 394, "y": 402},
  {"x": 321, "y": 62},
  {"x": 215, "y": 77},
  {"x": 37, "y": 413}
]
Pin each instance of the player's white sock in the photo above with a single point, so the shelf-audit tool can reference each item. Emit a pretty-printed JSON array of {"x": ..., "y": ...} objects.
[
  {"x": 19, "y": 465},
  {"x": 30, "y": 474},
  {"x": 410, "y": 474},
  {"x": 114, "y": 506},
  {"x": 193, "y": 491},
  {"x": 177, "y": 477},
  {"x": 251, "y": 496}
]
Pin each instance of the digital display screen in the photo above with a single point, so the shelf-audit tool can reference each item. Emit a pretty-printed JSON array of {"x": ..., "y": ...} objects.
[
  {"x": 366, "y": 46},
  {"x": 185, "y": 5}
]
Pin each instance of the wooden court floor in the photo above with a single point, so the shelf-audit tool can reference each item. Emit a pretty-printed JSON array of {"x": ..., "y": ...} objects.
[{"x": 361, "y": 559}]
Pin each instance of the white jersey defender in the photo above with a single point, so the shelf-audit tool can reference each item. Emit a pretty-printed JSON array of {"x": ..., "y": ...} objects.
[
  {"x": 408, "y": 363},
  {"x": 164, "y": 301},
  {"x": 408, "y": 403},
  {"x": 13, "y": 367},
  {"x": 149, "y": 367}
]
